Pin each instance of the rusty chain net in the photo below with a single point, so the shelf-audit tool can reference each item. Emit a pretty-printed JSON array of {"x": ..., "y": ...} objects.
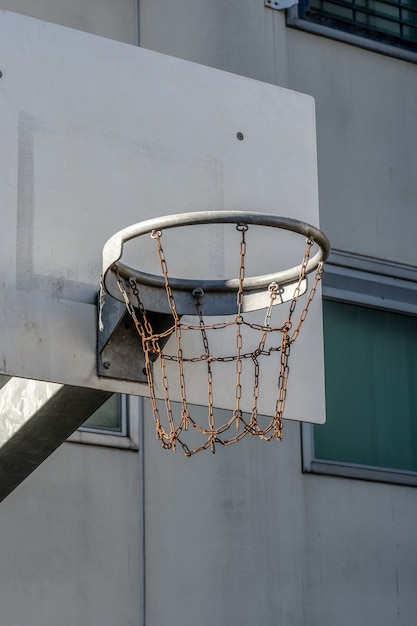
[{"x": 173, "y": 429}]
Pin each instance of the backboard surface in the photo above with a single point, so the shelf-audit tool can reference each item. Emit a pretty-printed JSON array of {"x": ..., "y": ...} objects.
[{"x": 98, "y": 135}]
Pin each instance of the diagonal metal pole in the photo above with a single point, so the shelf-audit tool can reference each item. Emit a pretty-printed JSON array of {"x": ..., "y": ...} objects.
[{"x": 35, "y": 418}]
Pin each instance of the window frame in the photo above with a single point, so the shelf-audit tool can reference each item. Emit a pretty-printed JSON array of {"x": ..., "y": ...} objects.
[
  {"x": 123, "y": 408},
  {"x": 361, "y": 41},
  {"x": 355, "y": 279},
  {"x": 126, "y": 439}
]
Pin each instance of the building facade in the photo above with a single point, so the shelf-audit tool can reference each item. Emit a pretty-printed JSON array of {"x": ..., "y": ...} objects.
[{"x": 320, "y": 529}]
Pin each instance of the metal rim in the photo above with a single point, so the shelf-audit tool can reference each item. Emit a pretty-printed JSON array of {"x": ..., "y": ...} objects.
[{"x": 113, "y": 250}]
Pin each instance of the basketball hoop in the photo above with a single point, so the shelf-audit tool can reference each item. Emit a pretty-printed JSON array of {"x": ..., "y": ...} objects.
[{"x": 189, "y": 302}]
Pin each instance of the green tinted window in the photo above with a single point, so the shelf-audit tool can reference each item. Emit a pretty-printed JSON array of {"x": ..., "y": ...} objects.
[
  {"x": 107, "y": 417},
  {"x": 371, "y": 388}
]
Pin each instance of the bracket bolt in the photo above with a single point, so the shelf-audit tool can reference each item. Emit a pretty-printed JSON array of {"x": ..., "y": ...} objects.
[{"x": 106, "y": 365}]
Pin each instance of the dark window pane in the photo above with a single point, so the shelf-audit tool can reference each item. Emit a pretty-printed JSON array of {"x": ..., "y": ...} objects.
[
  {"x": 108, "y": 416},
  {"x": 392, "y": 21},
  {"x": 371, "y": 391}
]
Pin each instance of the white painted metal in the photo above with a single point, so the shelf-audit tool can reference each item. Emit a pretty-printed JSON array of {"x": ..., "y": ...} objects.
[
  {"x": 35, "y": 418},
  {"x": 129, "y": 135},
  {"x": 20, "y": 399}
]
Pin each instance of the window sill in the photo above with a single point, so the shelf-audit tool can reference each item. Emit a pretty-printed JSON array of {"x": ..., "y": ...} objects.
[
  {"x": 90, "y": 438},
  {"x": 293, "y": 21},
  {"x": 312, "y": 465}
]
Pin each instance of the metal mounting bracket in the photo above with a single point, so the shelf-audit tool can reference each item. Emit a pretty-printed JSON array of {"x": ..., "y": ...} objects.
[
  {"x": 279, "y": 5},
  {"x": 119, "y": 347}
]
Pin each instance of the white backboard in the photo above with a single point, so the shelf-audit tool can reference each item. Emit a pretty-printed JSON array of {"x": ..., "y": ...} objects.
[{"x": 98, "y": 135}]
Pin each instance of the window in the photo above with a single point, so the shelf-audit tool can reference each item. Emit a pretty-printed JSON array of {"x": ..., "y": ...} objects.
[
  {"x": 110, "y": 417},
  {"x": 114, "y": 425},
  {"x": 371, "y": 378},
  {"x": 390, "y": 22}
]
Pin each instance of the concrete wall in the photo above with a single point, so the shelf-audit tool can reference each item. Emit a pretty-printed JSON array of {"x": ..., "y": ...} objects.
[
  {"x": 245, "y": 538},
  {"x": 242, "y": 537},
  {"x": 70, "y": 544},
  {"x": 115, "y": 19}
]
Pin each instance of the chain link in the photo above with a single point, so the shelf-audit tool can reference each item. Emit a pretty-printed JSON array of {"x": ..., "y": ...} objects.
[{"x": 152, "y": 342}]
